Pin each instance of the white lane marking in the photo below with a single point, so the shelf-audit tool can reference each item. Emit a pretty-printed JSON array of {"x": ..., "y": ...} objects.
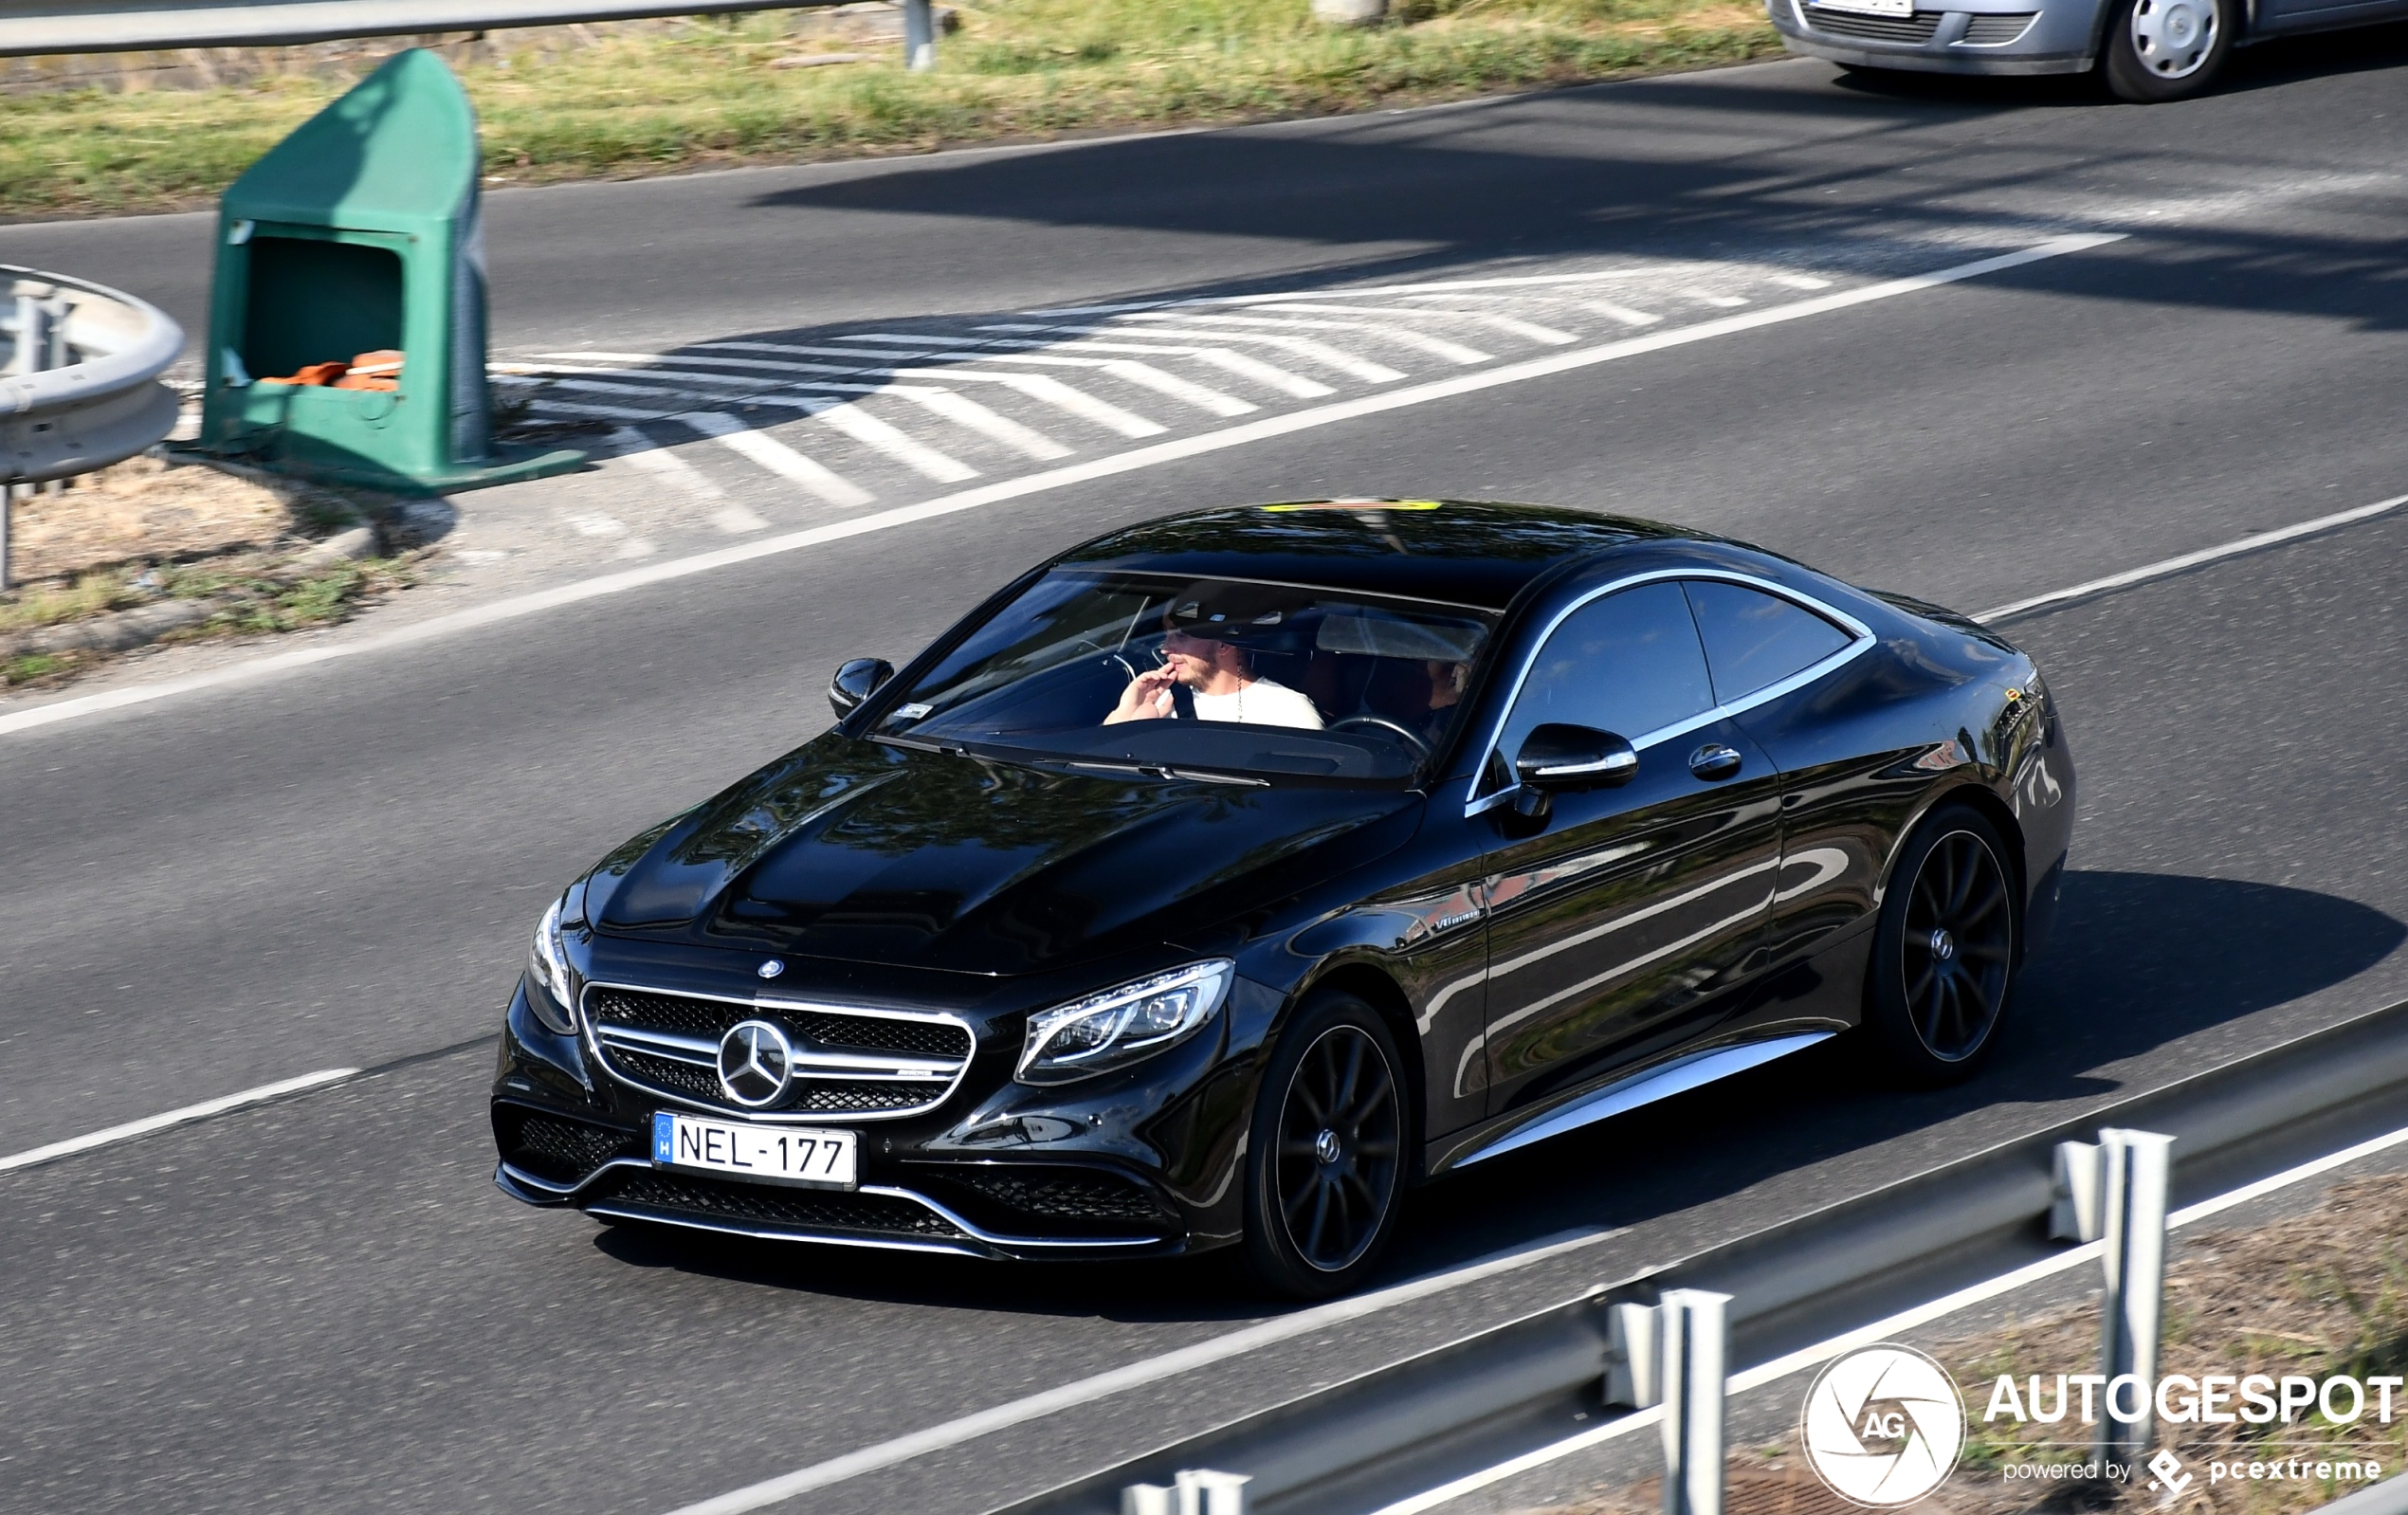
[
  {"x": 1158, "y": 380},
  {"x": 640, "y": 452},
  {"x": 1152, "y": 455},
  {"x": 907, "y": 339},
  {"x": 964, "y": 412},
  {"x": 1369, "y": 371},
  {"x": 850, "y": 418},
  {"x": 1621, "y": 313},
  {"x": 1438, "y": 346},
  {"x": 1227, "y": 362},
  {"x": 1523, "y": 281},
  {"x": 190, "y": 1112},
  {"x": 735, "y": 521},
  {"x": 736, "y": 436},
  {"x": 1037, "y": 385},
  {"x": 1886, "y": 1330},
  {"x": 1052, "y": 391},
  {"x": 1717, "y": 301},
  {"x": 1802, "y": 281},
  {"x": 1161, "y": 381},
  {"x": 2205, "y": 555},
  {"x": 1519, "y": 327},
  {"x": 1135, "y": 1375}
]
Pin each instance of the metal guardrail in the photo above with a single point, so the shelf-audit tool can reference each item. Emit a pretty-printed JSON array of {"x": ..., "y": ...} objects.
[
  {"x": 80, "y": 389},
  {"x": 1500, "y": 1393},
  {"x": 35, "y": 27}
]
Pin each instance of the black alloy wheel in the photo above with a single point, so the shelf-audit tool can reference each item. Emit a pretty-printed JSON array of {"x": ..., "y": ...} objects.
[
  {"x": 1945, "y": 953},
  {"x": 1326, "y": 1158}
]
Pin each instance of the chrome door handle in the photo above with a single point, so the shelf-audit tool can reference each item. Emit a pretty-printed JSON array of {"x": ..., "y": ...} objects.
[{"x": 1714, "y": 762}]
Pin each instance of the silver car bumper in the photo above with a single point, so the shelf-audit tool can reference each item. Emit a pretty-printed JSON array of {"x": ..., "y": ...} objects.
[{"x": 1968, "y": 37}]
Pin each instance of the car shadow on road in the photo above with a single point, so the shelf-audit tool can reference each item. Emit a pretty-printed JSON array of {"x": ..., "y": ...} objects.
[{"x": 2138, "y": 961}]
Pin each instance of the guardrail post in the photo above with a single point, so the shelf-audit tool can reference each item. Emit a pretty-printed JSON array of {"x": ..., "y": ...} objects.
[
  {"x": 1694, "y": 1366},
  {"x": 919, "y": 35},
  {"x": 1192, "y": 1491},
  {"x": 1634, "y": 1356},
  {"x": 2136, "y": 1165},
  {"x": 40, "y": 344}
]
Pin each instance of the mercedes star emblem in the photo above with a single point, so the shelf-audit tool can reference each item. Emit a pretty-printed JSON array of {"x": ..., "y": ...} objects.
[
  {"x": 770, "y": 969},
  {"x": 756, "y": 1063}
]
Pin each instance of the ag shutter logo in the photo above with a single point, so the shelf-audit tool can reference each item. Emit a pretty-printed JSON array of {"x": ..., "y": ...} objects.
[{"x": 1883, "y": 1426}]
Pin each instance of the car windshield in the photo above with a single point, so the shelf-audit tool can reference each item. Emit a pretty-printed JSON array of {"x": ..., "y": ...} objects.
[{"x": 1116, "y": 670}]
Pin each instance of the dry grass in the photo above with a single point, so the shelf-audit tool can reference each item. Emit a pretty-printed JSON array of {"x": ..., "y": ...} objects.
[
  {"x": 2318, "y": 1294},
  {"x": 707, "y": 95}
]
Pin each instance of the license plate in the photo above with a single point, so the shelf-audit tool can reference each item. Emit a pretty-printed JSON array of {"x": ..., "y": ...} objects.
[
  {"x": 1867, "y": 8},
  {"x": 766, "y": 1153}
]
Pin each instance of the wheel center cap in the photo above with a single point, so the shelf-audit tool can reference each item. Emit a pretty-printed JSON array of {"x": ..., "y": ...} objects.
[
  {"x": 2181, "y": 27},
  {"x": 1327, "y": 1146},
  {"x": 1944, "y": 947}
]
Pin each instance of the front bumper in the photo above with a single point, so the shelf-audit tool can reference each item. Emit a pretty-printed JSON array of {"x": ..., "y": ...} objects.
[
  {"x": 1967, "y": 37},
  {"x": 1130, "y": 1165}
]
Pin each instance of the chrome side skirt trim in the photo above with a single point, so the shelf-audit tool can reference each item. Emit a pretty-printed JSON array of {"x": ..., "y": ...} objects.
[{"x": 1645, "y": 1088}]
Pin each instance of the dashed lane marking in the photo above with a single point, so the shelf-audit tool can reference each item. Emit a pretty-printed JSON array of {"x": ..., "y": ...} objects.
[
  {"x": 1437, "y": 346},
  {"x": 1344, "y": 363}
]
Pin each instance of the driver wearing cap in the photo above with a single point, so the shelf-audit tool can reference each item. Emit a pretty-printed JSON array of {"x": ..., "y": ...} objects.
[{"x": 1205, "y": 629}]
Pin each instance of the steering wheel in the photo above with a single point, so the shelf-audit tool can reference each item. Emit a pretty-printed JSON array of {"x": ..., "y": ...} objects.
[{"x": 1412, "y": 737}]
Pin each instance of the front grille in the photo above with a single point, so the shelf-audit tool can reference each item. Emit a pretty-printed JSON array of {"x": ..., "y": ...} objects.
[
  {"x": 667, "y": 1072},
  {"x": 609, "y": 1009},
  {"x": 916, "y": 1038},
  {"x": 558, "y": 1150},
  {"x": 1997, "y": 30},
  {"x": 1918, "y": 27},
  {"x": 802, "y": 1208},
  {"x": 1059, "y": 1193}
]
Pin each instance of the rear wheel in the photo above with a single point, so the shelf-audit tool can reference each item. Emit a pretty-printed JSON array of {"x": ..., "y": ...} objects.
[
  {"x": 2167, "y": 49},
  {"x": 1944, "y": 964},
  {"x": 1325, "y": 1158}
]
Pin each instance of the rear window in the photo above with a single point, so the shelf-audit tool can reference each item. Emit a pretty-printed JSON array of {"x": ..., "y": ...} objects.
[{"x": 1754, "y": 640}]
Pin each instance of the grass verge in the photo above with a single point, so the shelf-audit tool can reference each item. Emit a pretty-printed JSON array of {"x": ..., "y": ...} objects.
[{"x": 707, "y": 95}]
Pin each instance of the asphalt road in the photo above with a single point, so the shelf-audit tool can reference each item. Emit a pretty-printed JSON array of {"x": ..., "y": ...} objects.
[{"x": 321, "y": 1304}]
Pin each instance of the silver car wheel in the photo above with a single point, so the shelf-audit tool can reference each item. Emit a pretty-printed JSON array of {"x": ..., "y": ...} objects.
[{"x": 2174, "y": 37}]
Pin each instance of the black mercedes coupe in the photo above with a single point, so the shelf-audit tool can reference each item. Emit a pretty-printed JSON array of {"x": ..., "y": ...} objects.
[{"x": 1219, "y": 878}]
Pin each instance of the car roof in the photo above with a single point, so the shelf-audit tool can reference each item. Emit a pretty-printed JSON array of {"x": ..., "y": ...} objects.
[{"x": 1466, "y": 552}]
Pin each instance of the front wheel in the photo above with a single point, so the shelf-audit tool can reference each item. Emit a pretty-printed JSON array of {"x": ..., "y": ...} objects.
[
  {"x": 1326, "y": 1160},
  {"x": 2167, "y": 49},
  {"x": 1945, "y": 952}
]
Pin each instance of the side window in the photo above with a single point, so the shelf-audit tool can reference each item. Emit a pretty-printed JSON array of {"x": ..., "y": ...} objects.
[
  {"x": 1629, "y": 664},
  {"x": 1754, "y": 639}
]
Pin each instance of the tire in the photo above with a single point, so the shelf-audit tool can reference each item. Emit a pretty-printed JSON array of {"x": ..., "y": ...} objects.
[
  {"x": 1327, "y": 1153},
  {"x": 2159, "y": 50},
  {"x": 1946, "y": 951}
]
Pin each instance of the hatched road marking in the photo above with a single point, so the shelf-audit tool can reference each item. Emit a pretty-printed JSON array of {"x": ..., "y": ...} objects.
[{"x": 882, "y": 440}]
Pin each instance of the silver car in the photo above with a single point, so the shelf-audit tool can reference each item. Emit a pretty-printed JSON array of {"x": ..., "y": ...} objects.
[{"x": 2147, "y": 50}]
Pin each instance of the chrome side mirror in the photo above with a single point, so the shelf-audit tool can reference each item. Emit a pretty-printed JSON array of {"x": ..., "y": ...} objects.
[
  {"x": 1563, "y": 757},
  {"x": 856, "y": 682}
]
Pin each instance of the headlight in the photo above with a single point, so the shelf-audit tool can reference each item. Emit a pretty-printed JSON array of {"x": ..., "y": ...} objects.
[
  {"x": 1115, "y": 1029},
  {"x": 548, "y": 991}
]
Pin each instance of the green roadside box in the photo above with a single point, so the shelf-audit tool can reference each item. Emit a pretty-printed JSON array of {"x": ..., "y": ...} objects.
[{"x": 347, "y": 319}]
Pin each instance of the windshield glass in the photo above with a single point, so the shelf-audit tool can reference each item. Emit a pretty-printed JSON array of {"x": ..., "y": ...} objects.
[{"x": 1224, "y": 676}]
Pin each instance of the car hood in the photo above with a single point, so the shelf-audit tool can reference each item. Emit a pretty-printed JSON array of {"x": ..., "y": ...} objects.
[{"x": 861, "y": 852}]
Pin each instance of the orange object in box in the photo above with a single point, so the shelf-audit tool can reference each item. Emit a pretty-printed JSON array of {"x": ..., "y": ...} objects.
[{"x": 379, "y": 370}]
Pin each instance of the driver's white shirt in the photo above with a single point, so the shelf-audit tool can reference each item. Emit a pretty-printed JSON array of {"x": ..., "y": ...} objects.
[{"x": 1261, "y": 702}]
